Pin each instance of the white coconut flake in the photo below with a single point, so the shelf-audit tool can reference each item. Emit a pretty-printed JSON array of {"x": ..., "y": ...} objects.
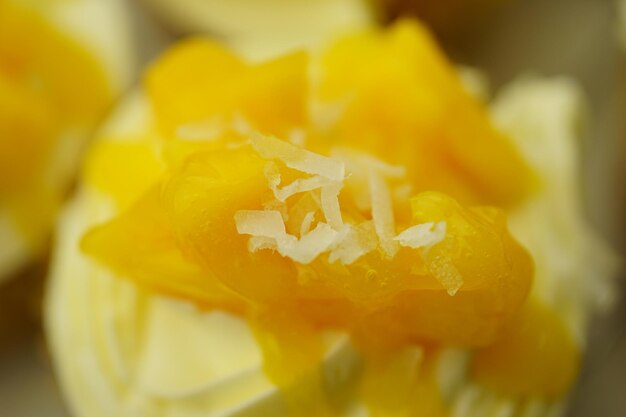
[
  {"x": 307, "y": 221},
  {"x": 272, "y": 175},
  {"x": 310, "y": 246},
  {"x": 359, "y": 165},
  {"x": 297, "y": 158},
  {"x": 301, "y": 185},
  {"x": 267, "y": 229},
  {"x": 382, "y": 214},
  {"x": 354, "y": 242},
  {"x": 356, "y": 160},
  {"x": 299, "y": 209},
  {"x": 445, "y": 272},
  {"x": 265, "y": 223},
  {"x": 279, "y": 206},
  {"x": 330, "y": 205},
  {"x": 423, "y": 235},
  {"x": 257, "y": 243}
]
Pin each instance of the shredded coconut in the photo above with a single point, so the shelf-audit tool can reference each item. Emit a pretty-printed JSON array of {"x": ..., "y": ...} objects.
[
  {"x": 355, "y": 160},
  {"x": 307, "y": 221},
  {"x": 423, "y": 235},
  {"x": 353, "y": 243},
  {"x": 344, "y": 242},
  {"x": 330, "y": 205},
  {"x": 382, "y": 214},
  {"x": 297, "y": 158},
  {"x": 445, "y": 272},
  {"x": 266, "y": 223},
  {"x": 268, "y": 232},
  {"x": 300, "y": 185},
  {"x": 311, "y": 245},
  {"x": 257, "y": 243}
]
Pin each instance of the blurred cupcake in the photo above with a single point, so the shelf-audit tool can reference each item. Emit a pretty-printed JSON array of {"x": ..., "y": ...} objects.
[
  {"x": 325, "y": 234},
  {"x": 61, "y": 65},
  {"x": 260, "y": 29}
]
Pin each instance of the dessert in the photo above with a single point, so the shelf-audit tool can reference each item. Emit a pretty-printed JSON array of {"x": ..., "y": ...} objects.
[
  {"x": 325, "y": 233},
  {"x": 59, "y": 72}
]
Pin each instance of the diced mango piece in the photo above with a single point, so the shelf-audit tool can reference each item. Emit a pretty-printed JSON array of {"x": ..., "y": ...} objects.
[
  {"x": 147, "y": 251},
  {"x": 404, "y": 103},
  {"x": 199, "y": 80},
  {"x": 202, "y": 198}
]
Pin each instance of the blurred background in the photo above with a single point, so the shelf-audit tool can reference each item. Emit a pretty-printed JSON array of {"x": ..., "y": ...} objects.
[{"x": 572, "y": 37}]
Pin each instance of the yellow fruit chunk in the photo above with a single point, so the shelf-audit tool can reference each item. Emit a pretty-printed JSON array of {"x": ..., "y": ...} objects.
[
  {"x": 403, "y": 102},
  {"x": 495, "y": 272},
  {"x": 200, "y": 81},
  {"x": 536, "y": 355},
  {"x": 202, "y": 198},
  {"x": 147, "y": 251}
]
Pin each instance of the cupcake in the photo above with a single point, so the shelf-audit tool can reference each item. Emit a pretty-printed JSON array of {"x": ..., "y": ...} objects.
[
  {"x": 60, "y": 70},
  {"x": 346, "y": 231}
]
